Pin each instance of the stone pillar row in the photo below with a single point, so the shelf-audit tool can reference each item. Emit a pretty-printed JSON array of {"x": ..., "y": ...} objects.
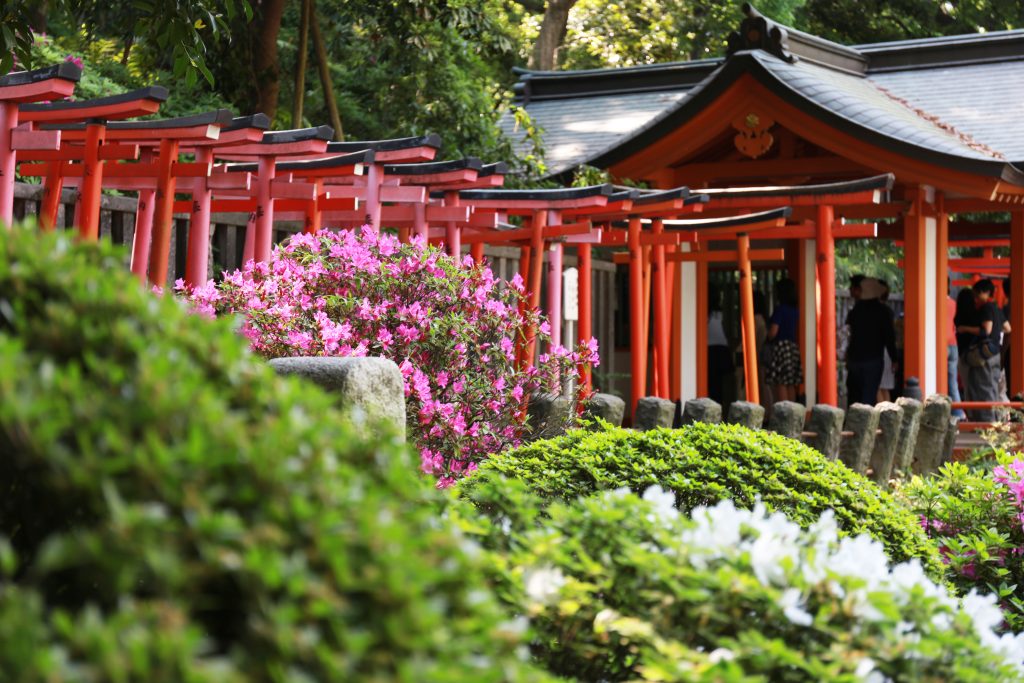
[{"x": 906, "y": 437}]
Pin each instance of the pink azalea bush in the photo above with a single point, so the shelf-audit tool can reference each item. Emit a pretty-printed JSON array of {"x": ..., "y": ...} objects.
[
  {"x": 452, "y": 327},
  {"x": 977, "y": 518}
]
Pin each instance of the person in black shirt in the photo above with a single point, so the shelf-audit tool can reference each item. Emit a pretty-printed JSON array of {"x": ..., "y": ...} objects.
[
  {"x": 988, "y": 330},
  {"x": 872, "y": 333}
]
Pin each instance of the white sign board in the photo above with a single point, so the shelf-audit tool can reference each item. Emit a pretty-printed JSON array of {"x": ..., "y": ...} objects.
[{"x": 570, "y": 293}]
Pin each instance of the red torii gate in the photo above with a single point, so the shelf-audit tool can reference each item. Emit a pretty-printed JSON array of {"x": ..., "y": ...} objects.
[{"x": 17, "y": 88}]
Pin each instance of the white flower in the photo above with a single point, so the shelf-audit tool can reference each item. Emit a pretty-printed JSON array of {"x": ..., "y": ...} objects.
[
  {"x": 543, "y": 584},
  {"x": 861, "y": 557},
  {"x": 664, "y": 502},
  {"x": 792, "y": 606},
  {"x": 721, "y": 655}
]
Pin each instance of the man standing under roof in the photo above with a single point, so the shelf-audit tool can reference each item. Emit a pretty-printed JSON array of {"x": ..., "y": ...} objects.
[{"x": 872, "y": 333}]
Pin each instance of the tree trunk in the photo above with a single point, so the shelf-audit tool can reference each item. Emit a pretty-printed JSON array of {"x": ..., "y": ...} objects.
[
  {"x": 267, "y": 66},
  {"x": 325, "y": 72},
  {"x": 300, "y": 65},
  {"x": 552, "y": 33}
]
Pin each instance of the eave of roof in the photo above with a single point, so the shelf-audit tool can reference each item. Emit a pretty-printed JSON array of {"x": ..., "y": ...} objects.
[{"x": 758, "y": 65}]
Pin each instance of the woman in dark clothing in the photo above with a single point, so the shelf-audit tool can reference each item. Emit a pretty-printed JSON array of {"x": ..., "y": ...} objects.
[
  {"x": 720, "y": 365},
  {"x": 785, "y": 371},
  {"x": 966, "y": 316}
]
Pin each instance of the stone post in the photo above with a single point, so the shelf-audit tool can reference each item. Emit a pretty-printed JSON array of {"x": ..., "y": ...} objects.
[
  {"x": 855, "y": 451},
  {"x": 908, "y": 434},
  {"x": 890, "y": 422},
  {"x": 826, "y": 423},
  {"x": 950, "y": 444},
  {"x": 547, "y": 416},
  {"x": 653, "y": 412},
  {"x": 750, "y": 415},
  {"x": 931, "y": 439},
  {"x": 701, "y": 410},
  {"x": 788, "y": 419},
  {"x": 609, "y": 408},
  {"x": 364, "y": 387}
]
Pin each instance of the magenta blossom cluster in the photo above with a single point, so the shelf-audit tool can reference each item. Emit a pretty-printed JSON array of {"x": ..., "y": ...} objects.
[
  {"x": 1012, "y": 477},
  {"x": 452, "y": 327}
]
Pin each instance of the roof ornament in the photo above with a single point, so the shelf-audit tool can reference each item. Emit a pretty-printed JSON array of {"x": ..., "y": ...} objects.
[{"x": 757, "y": 32}]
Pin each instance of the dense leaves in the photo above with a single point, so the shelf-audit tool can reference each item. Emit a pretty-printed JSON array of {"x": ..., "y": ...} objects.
[
  {"x": 170, "y": 510},
  {"x": 977, "y": 517},
  {"x": 621, "y": 589},
  {"x": 707, "y": 463}
]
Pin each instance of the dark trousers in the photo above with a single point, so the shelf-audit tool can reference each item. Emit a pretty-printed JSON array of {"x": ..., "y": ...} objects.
[{"x": 863, "y": 377}]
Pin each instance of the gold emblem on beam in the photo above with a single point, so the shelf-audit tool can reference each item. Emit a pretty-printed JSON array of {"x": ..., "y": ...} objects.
[{"x": 753, "y": 138}]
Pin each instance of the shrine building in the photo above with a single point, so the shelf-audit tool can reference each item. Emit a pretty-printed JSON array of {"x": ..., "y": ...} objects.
[{"x": 790, "y": 119}]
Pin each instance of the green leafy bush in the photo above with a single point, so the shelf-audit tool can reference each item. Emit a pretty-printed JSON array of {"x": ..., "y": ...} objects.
[
  {"x": 977, "y": 518},
  {"x": 707, "y": 463},
  {"x": 170, "y": 510},
  {"x": 617, "y": 588}
]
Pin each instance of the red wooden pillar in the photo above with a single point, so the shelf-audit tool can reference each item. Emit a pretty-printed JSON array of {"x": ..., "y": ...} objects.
[
  {"x": 585, "y": 288},
  {"x": 452, "y": 233},
  {"x": 675, "y": 343},
  {"x": 536, "y": 275},
  {"x": 1017, "y": 302},
  {"x": 477, "y": 252},
  {"x": 661, "y": 315},
  {"x": 196, "y": 267},
  {"x": 163, "y": 213},
  {"x": 914, "y": 290},
  {"x": 747, "y": 319},
  {"x": 941, "y": 298},
  {"x": 89, "y": 191},
  {"x": 53, "y": 184},
  {"x": 264, "y": 237},
  {"x": 419, "y": 220},
  {"x": 8, "y": 122},
  {"x": 524, "y": 274},
  {"x": 249, "y": 247},
  {"x": 373, "y": 204},
  {"x": 638, "y": 352},
  {"x": 824, "y": 245},
  {"x": 315, "y": 214}
]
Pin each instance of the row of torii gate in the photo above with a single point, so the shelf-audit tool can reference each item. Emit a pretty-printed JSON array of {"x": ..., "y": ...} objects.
[{"x": 225, "y": 163}]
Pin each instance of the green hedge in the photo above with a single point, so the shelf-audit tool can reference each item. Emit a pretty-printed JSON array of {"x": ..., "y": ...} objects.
[
  {"x": 707, "y": 463},
  {"x": 622, "y": 589},
  {"x": 170, "y": 510}
]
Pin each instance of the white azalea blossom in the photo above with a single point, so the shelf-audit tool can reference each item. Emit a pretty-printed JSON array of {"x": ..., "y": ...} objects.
[
  {"x": 783, "y": 555},
  {"x": 663, "y": 500},
  {"x": 543, "y": 584}
]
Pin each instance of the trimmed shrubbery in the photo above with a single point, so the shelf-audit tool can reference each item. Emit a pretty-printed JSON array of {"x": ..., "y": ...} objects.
[
  {"x": 704, "y": 464},
  {"x": 452, "y": 328},
  {"x": 977, "y": 518},
  {"x": 170, "y": 510},
  {"x": 617, "y": 588}
]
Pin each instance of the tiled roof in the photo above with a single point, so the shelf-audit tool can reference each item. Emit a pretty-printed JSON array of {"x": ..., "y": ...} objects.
[
  {"x": 985, "y": 101},
  {"x": 576, "y": 129},
  {"x": 960, "y": 96}
]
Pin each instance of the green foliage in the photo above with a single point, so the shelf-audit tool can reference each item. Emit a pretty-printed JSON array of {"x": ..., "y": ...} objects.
[
  {"x": 619, "y": 589},
  {"x": 170, "y": 510},
  {"x": 103, "y": 74},
  {"x": 976, "y": 520},
  {"x": 180, "y": 30},
  {"x": 877, "y": 258},
  {"x": 871, "y": 21},
  {"x": 707, "y": 463},
  {"x": 632, "y": 32}
]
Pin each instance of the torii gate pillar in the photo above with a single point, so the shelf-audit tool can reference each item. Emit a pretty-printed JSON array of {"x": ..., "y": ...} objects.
[{"x": 825, "y": 258}]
